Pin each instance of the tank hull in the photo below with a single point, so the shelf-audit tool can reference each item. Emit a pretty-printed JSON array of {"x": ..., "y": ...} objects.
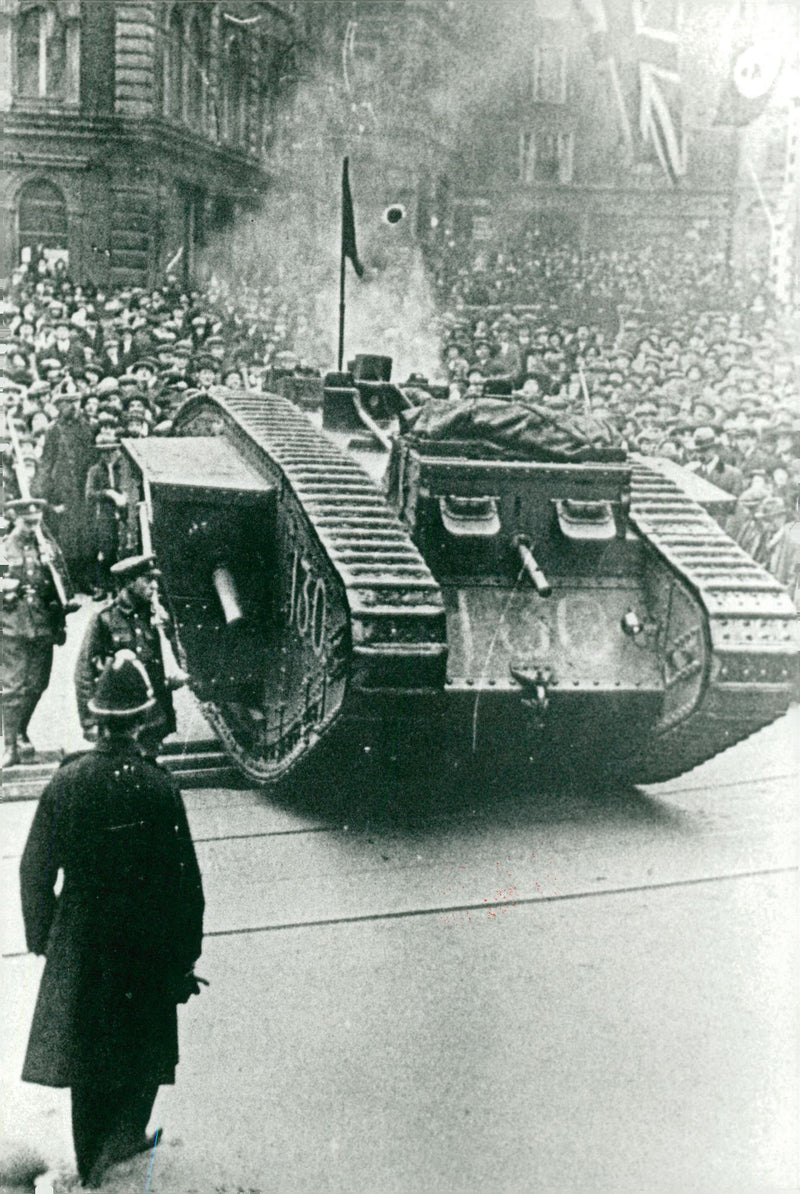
[{"x": 377, "y": 618}]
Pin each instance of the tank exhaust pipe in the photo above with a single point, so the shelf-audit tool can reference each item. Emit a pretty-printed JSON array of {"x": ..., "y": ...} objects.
[
  {"x": 228, "y": 594},
  {"x": 537, "y": 578}
]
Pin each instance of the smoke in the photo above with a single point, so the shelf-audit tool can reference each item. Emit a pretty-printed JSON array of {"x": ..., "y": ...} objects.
[
  {"x": 289, "y": 248},
  {"x": 391, "y": 310},
  {"x": 403, "y": 118}
]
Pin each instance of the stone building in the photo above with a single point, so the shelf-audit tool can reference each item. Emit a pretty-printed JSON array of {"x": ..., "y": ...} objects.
[
  {"x": 559, "y": 134},
  {"x": 134, "y": 134}
]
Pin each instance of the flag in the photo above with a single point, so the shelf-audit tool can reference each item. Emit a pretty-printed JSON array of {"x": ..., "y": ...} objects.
[
  {"x": 348, "y": 222},
  {"x": 636, "y": 42},
  {"x": 754, "y": 71},
  {"x": 660, "y": 99},
  {"x": 594, "y": 18}
]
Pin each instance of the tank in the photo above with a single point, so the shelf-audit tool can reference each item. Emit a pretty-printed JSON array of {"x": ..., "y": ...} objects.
[{"x": 436, "y": 600}]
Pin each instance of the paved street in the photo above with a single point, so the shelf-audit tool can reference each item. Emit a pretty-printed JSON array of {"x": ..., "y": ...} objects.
[{"x": 498, "y": 990}]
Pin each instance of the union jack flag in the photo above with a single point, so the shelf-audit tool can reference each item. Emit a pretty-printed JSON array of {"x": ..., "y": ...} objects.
[{"x": 636, "y": 42}]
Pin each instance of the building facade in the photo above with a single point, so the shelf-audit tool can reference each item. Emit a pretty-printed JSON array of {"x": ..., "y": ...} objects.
[
  {"x": 565, "y": 130},
  {"x": 561, "y": 137},
  {"x": 134, "y": 134}
]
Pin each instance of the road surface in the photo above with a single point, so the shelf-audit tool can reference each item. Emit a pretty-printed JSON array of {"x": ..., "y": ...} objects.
[{"x": 487, "y": 991}]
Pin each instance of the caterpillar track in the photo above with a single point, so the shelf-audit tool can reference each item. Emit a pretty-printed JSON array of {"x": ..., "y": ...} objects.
[
  {"x": 340, "y": 611},
  {"x": 750, "y": 632},
  {"x": 307, "y": 598}
]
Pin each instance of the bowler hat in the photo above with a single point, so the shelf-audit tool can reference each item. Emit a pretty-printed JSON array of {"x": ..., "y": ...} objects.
[
  {"x": 124, "y": 689},
  {"x": 204, "y": 361},
  {"x": 705, "y": 437},
  {"x": 771, "y": 507},
  {"x": 106, "y": 437}
]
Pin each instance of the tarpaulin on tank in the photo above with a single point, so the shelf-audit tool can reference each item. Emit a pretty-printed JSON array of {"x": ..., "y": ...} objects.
[{"x": 517, "y": 428}]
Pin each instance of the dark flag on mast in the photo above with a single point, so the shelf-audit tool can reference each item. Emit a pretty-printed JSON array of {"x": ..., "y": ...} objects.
[{"x": 348, "y": 222}]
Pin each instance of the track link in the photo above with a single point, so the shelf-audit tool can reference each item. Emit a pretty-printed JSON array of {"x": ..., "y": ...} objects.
[
  {"x": 396, "y": 606},
  {"x": 751, "y": 631}
]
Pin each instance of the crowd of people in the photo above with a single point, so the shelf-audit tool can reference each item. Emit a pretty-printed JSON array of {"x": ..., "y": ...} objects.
[
  {"x": 681, "y": 357},
  {"x": 664, "y": 344},
  {"x": 85, "y": 367},
  {"x": 665, "y": 349},
  {"x": 654, "y": 275}
]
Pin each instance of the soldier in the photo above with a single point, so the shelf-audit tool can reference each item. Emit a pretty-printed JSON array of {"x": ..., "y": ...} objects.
[
  {"x": 122, "y": 938},
  {"x": 32, "y": 620},
  {"x": 127, "y": 622}
]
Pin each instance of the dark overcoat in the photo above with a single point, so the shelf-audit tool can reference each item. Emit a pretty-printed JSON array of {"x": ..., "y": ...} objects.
[
  {"x": 109, "y": 520},
  {"x": 68, "y": 453},
  {"x": 125, "y": 926}
]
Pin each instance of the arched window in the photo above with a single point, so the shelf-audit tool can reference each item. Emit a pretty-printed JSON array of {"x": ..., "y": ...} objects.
[
  {"x": 41, "y": 216},
  {"x": 197, "y": 71},
  {"x": 173, "y": 67},
  {"x": 235, "y": 90},
  {"x": 41, "y": 53},
  {"x": 268, "y": 94}
]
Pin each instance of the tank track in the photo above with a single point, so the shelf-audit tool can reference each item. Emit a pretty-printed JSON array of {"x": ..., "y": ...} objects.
[
  {"x": 751, "y": 632},
  {"x": 397, "y": 615}
]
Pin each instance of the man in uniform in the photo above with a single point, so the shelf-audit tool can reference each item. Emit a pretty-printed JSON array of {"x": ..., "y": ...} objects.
[
  {"x": 127, "y": 623},
  {"x": 32, "y": 620},
  {"x": 121, "y": 938}
]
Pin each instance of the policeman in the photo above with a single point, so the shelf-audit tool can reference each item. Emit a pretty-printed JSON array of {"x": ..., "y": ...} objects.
[
  {"x": 128, "y": 622},
  {"x": 124, "y": 933},
  {"x": 32, "y": 620}
]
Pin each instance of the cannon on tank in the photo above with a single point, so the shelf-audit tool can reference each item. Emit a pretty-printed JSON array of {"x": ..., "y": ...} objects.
[{"x": 342, "y": 578}]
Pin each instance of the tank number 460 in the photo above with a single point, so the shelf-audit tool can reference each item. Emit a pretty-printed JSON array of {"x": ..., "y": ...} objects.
[{"x": 308, "y": 604}]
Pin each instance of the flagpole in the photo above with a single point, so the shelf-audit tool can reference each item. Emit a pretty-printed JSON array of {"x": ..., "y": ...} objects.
[
  {"x": 348, "y": 249},
  {"x": 341, "y": 312},
  {"x": 340, "y": 356}
]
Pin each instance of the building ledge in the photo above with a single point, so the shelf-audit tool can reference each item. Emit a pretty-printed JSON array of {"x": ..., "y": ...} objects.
[{"x": 77, "y": 132}]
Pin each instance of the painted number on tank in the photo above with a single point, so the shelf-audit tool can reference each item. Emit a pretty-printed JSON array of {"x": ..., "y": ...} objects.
[
  {"x": 581, "y": 622},
  {"x": 308, "y": 608}
]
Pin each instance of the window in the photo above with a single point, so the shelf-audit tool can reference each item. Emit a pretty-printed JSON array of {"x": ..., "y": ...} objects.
[
  {"x": 234, "y": 92},
  {"x": 566, "y": 145},
  {"x": 269, "y": 85},
  {"x": 482, "y": 228},
  {"x": 545, "y": 157},
  {"x": 173, "y": 67},
  {"x": 550, "y": 74},
  {"x": 41, "y": 217},
  {"x": 197, "y": 72},
  {"x": 41, "y": 53}
]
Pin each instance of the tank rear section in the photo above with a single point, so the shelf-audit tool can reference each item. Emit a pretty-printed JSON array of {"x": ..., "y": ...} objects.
[
  {"x": 551, "y": 654},
  {"x": 596, "y": 615}
]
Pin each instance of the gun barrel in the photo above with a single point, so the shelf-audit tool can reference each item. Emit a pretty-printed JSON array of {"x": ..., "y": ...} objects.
[
  {"x": 535, "y": 574},
  {"x": 225, "y": 587}
]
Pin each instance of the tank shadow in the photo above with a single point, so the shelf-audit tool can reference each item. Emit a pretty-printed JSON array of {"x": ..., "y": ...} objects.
[{"x": 377, "y": 794}]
